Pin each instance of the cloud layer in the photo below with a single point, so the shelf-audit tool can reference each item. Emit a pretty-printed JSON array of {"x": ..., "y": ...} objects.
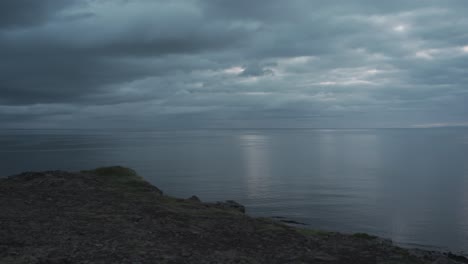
[{"x": 214, "y": 63}]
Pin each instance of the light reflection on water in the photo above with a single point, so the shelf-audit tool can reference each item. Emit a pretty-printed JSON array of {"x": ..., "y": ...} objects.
[
  {"x": 257, "y": 164},
  {"x": 405, "y": 184}
]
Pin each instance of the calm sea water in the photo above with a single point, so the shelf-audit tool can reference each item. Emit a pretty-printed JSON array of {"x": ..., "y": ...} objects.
[{"x": 410, "y": 185}]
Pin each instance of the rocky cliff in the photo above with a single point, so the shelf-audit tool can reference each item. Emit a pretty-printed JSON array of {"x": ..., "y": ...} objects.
[{"x": 111, "y": 215}]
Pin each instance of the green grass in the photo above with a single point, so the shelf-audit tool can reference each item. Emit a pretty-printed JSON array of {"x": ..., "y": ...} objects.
[
  {"x": 364, "y": 236},
  {"x": 119, "y": 177},
  {"x": 115, "y": 172},
  {"x": 269, "y": 225},
  {"x": 313, "y": 232}
]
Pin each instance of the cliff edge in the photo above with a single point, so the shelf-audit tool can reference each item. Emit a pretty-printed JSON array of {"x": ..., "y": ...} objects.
[{"x": 111, "y": 215}]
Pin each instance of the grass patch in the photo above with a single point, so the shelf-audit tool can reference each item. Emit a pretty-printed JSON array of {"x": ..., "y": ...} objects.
[
  {"x": 183, "y": 206},
  {"x": 119, "y": 177},
  {"x": 364, "y": 236},
  {"x": 312, "y": 232},
  {"x": 268, "y": 225},
  {"x": 115, "y": 172}
]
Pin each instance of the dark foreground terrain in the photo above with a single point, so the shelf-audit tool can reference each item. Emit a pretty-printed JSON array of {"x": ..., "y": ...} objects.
[{"x": 111, "y": 215}]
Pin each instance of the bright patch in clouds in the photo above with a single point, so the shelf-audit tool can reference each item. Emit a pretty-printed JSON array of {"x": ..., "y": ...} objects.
[
  {"x": 424, "y": 54},
  {"x": 327, "y": 83},
  {"x": 372, "y": 71},
  {"x": 296, "y": 60},
  {"x": 234, "y": 70},
  {"x": 400, "y": 28}
]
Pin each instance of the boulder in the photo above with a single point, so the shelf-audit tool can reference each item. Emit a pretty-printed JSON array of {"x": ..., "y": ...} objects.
[
  {"x": 194, "y": 198},
  {"x": 231, "y": 204}
]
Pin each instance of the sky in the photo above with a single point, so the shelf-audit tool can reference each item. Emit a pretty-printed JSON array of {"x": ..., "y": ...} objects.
[{"x": 233, "y": 64}]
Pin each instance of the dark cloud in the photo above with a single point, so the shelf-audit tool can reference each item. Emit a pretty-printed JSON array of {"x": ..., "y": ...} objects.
[
  {"x": 233, "y": 63},
  {"x": 22, "y": 13},
  {"x": 256, "y": 70}
]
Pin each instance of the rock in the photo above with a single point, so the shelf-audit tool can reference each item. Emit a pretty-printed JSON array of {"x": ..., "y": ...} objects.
[
  {"x": 287, "y": 221},
  {"x": 323, "y": 257},
  {"x": 458, "y": 258},
  {"x": 231, "y": 204},
  {"x": 443, "y": 260},
  {"x": 136, "y": 218},
  {"x": 194, "y": 198}
]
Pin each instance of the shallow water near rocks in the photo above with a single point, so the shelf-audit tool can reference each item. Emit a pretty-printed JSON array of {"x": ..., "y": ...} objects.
[{"x": 409, "y": 185}]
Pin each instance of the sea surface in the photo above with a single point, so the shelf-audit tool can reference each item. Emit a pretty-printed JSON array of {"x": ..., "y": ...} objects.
[{"x": 409, "y": 185}]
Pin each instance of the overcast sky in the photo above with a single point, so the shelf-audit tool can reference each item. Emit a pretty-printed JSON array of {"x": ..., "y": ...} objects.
[{"x": 223, "y": 63}]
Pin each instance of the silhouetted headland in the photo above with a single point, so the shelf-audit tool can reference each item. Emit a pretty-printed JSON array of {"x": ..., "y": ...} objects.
[{"x": 112, "y": 215}]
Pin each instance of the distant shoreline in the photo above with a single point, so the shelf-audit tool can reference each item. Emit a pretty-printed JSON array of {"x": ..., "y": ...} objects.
[{"x": 416, "y": 127}]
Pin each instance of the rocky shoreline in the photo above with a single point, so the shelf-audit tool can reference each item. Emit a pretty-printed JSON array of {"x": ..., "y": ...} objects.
[{"x": 111, "y": 215}]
